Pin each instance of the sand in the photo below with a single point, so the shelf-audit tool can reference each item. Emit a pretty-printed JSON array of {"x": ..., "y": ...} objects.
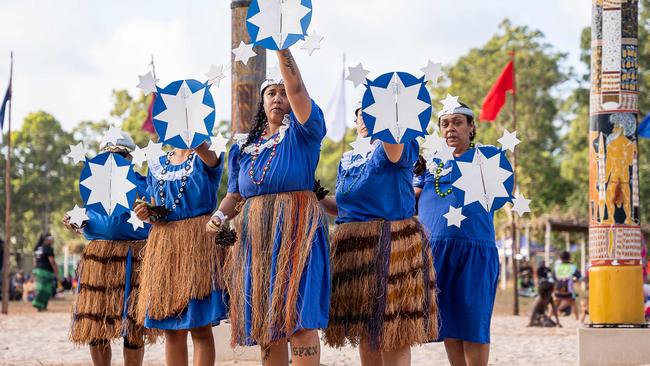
[{"x": 31, "y": 338}]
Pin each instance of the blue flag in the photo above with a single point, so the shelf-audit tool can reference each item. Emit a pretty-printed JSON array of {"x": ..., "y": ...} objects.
[
  {"x": 644, "y": 127},
  {"x": 3, "y": 105}
]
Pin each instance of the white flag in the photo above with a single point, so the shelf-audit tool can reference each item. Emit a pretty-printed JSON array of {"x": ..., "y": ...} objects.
[{"x": 336, "y": 112}]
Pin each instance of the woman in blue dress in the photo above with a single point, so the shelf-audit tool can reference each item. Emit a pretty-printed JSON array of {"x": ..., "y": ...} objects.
[
  {"x": 383, "y": 286},
  {"x": 104, "y": 308},
  {"x": 278, "y": 270},
  {"x": 182, "y": 288},
  {"x": 465, "y": 258}
]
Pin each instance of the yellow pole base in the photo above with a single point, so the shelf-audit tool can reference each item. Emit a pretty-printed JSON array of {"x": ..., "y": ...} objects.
[{"x": 616, "y": 295}]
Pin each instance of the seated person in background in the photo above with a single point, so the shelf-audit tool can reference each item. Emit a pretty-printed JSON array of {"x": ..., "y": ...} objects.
[
  {"x": 539, "y": 317},
  {"x": 566, "y": 273}
]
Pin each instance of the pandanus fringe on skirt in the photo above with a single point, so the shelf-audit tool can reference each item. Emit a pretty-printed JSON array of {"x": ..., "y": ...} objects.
[
  {"x": 181, "y": 262},
  {"x": 288, "y": 221},
  {"x": 109, "y": 283},
  {"x": 383, "y": 286}
]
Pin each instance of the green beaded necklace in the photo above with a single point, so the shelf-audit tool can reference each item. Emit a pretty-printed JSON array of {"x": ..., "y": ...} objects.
[{"x": 440, "y": 193}]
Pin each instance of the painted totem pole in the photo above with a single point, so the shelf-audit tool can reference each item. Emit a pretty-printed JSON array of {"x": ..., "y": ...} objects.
[{"x": 615, "y": 276}]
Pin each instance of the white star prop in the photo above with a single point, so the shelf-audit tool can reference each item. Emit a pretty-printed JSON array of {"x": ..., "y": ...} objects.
[
  {"x": 147, "y": 83},
  {"x": 185, "y": 114},
  {"x": 433, "y": 142},
  {"x": 77, "y": 215},
  {"x": 520, "y": 205},
  {"x": 112, "y": 136},
  {"x": 450, "y": 103},
  {"x": 509, "y": 140},
  {"x": 154, "y": 151},
  {"x": 432, "y": 72},
  {"x": 77, "y": 153},
  {"x": 396, "y": 108},
  {"x": 361, "y": 146},
  {"x": 135, "y": 221},
  {"x": 312, "y": 43},
  {"x": 279, "y": 19},
  {"x": 454, "y": 216},
  {"x": 357, "y": 75},
  {"x": 445, "y": 152},
  {"x": 139, "y": 156},
  {"x": 218, "y": 144},
  {"x": 482, "y": 180},
  {"x": 108, "y": 184},
  {"x": 244, "y": 52},
  {"x": 215, "y": 75}
]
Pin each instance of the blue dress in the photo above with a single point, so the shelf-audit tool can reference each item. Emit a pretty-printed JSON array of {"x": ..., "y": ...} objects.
[
  {"x": 291, "y": 169},
  {"x": 466, "y": 259},
  {"x": 372, "y": 187},
  {"x": 200, "y": 198},
  {"x": 383, "y": 281}
]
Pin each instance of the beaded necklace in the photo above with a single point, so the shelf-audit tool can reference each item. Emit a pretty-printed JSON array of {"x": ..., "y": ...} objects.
[
  {"x": 440, "y": 193},
  {"x": 267, "y": 165},
  {"x": 187, "y": 167}
]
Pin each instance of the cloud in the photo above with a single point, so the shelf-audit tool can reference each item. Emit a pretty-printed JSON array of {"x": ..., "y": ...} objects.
[{"x": 71, "y": 54}]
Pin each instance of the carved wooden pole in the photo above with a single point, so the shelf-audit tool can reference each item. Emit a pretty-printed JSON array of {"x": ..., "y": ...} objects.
[{"x": 246, "y": 79}]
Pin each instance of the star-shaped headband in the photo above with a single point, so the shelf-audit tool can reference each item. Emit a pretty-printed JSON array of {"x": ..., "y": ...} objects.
[
  {"x": 125, "y": 142},
  {"x": 269, "y": 82},
  {"x": 459, "y": 110}
]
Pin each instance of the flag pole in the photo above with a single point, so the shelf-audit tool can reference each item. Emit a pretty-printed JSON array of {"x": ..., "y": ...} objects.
[
  {"x": 345, "y": 127},
  {"x": 7, "y": 246},
  {"x": 515, "y": 241},
  {"x": 153, "y": 66}
]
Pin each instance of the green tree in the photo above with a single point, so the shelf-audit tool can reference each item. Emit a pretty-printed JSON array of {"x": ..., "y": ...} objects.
[{"x": 43, "y": 183}]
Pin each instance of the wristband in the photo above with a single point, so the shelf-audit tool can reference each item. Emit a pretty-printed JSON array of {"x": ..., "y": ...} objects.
[{"x": 218, "y": 214}]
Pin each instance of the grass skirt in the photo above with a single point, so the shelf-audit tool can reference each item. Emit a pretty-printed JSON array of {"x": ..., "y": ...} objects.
[
  {"x": 383, "y": 286},
  {"x": 271, "y": 269},
  {"x": 109, "y": 282},
  {"x": 181, "y": 263}
]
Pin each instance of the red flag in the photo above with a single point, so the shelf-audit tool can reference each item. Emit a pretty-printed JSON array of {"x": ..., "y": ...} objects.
[
  {"x": 496, "y": 98},
  {"x": 148, "y": 123}
]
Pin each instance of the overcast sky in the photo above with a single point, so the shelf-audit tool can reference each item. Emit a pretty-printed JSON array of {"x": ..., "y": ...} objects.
[{"x": 70, "y": 54}]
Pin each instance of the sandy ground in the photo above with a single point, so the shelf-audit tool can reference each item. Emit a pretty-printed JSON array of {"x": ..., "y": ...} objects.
[{"x": 31, "y": 338}]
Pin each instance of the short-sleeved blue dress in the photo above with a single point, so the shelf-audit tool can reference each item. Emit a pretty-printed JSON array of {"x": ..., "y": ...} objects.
[
  {"x": 383, "y": 289},
  {"x": 108, "y": 274},
  {"x": 466, "y": 258},
  {"x": 280, "y": 280},
  {"x": 183, "y": 285}
]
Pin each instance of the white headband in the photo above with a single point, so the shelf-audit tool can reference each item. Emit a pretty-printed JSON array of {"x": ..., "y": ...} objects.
[
  {"x": 460, "y": 110},
  {"x": 269, "y": 82}
]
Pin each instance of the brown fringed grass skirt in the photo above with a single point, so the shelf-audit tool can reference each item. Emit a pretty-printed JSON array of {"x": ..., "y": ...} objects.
[
  {"x": 383, "y": 286},
  {"x": 275, "y": 237},
  {"x": 181, "y": 262},
  {"x": 98, "y": 313}
]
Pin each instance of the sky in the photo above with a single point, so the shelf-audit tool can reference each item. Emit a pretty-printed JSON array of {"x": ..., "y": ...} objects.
[{"x": 70, "y": 54}]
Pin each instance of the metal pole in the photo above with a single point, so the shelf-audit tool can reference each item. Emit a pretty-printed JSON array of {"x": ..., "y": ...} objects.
[
  {"x": 615, "y": 274},
  {"x": 547, "y": 245},
  {"x": 7, "y": 248},
  {"x": 246, "y": 79},
  {"x": 515, "y": 241}
]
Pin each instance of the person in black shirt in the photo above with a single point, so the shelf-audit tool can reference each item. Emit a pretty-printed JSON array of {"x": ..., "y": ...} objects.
[{"x": 45, "y": 271}]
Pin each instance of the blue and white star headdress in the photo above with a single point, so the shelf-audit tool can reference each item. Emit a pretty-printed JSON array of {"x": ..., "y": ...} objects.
[
  {"x": 184, "y": 114},
  {"x": 396, "y": 107},
  {"x": 278, "y": 24},
  {"x": 108, "y": 184}
]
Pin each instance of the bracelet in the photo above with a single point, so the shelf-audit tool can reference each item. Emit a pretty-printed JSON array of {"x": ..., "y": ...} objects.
[{"x": 220, "y": 215}]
